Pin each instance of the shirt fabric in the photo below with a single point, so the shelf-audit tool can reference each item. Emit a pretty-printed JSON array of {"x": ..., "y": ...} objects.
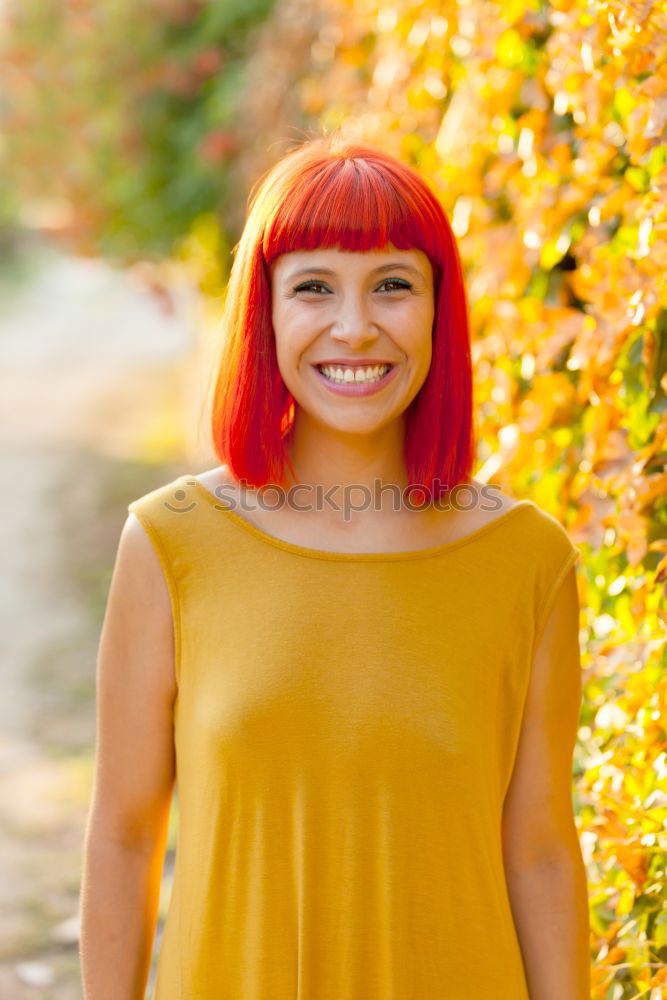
[{"x": 345, "y": 730}]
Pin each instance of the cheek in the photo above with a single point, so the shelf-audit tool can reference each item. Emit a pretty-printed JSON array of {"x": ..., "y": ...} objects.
[
  {"x": 292, "y": 341},
  {"x": 415, "y": 330},
  {"x": 418, "y": 314}
]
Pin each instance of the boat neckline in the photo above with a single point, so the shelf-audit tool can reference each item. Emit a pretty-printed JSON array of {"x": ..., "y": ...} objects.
[{"x": 334, "y": 556}]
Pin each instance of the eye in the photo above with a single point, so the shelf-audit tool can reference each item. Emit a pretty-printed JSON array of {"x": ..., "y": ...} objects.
[
  {"x": 307, "y": 286},
  {"x": 399, "y": 284},
  {"x": 312, "y": 286}
]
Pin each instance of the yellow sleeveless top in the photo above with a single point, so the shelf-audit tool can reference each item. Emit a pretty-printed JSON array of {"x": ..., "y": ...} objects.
[{"x": 345, "y": 730}]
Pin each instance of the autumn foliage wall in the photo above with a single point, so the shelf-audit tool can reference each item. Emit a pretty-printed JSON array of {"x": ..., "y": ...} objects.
[{"x": 541, "y": 127}]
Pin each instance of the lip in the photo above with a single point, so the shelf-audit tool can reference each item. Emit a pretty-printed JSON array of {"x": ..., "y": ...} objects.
[
  {"x": 356, "y": 388},
  {"x": 355, "y": 362}
]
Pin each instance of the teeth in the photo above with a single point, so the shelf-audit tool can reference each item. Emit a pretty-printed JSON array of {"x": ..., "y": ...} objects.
[{"x": 345, "y": 375}]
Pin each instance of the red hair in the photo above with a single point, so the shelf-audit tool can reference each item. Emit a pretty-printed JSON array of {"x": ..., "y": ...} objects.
[{"x": 330, "y": 192}]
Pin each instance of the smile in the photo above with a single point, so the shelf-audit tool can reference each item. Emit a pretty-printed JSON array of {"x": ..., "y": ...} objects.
[
  {"x": 357, "y": 381},
  {"x": 368, "y": 374}
]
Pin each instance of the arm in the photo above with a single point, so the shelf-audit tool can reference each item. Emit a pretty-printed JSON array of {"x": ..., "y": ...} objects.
[
  {"x": 134, "y": 776},
  {"x": 544, "y": 868}
]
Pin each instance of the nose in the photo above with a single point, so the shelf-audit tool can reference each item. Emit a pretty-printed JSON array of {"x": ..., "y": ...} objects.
[{"x": 353, "y": 323}]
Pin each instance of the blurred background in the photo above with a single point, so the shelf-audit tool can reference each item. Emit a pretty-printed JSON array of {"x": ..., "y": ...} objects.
[{"x": 131, "y": 132}]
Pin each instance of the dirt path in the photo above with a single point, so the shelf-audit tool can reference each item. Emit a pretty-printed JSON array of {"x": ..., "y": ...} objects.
[{"x": 92, "y": 401}]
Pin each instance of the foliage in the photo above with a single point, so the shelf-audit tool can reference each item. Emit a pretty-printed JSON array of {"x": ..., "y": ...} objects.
[{"x": 118, "y": 116}]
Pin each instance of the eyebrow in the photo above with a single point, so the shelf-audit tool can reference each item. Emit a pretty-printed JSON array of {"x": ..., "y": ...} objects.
[{"x": 377, "y": 270}]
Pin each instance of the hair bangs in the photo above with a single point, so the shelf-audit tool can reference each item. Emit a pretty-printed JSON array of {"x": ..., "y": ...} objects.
[{"x": 351, "y": 205}]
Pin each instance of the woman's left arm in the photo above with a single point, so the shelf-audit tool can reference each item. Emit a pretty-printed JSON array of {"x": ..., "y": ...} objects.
[{"x": 544, "y": 868}]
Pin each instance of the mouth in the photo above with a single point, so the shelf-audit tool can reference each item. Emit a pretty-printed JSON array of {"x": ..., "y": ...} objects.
[{"x": 340, "y": 374}]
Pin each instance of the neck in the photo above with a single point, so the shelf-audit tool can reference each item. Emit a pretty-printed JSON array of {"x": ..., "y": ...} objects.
[{"x": 323, "y": 456}]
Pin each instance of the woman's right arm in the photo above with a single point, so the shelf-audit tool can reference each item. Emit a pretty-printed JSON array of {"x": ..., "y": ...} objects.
[{"x": 134, "y": 775}]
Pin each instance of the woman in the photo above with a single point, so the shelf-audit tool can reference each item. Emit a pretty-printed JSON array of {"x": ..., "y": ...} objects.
[{"x": 366, "y": 677}]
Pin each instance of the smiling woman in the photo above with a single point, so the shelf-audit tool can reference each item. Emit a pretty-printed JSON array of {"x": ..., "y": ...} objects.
[{"x": 371, "y": 716}]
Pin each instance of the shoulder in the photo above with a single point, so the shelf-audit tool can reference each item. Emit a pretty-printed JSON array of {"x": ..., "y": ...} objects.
[
  {"x": 138, "y": 559},
  {"x": 221, "y": 475},
  {"x": 494, "y": 502},
  {"x": 137, "y": 649},
  {"x": 551, "y": 556},
  {"x": 222, "y": 483},
  {"x": 489, "y": 498},
  {"x": 540, "y": 538},
  {"x": 548, "y": 532},
  {"x": 159, "y": 516},
  {"x": 160, "y": 496},
  {"x": 476, "y": 504}
]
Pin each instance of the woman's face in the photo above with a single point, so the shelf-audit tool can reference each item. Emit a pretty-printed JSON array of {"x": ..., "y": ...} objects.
[{"x": 356, "y": 310}]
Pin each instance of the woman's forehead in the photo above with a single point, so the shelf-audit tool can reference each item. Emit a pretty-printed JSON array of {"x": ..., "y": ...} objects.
[{"x": 334, "y": 257}]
